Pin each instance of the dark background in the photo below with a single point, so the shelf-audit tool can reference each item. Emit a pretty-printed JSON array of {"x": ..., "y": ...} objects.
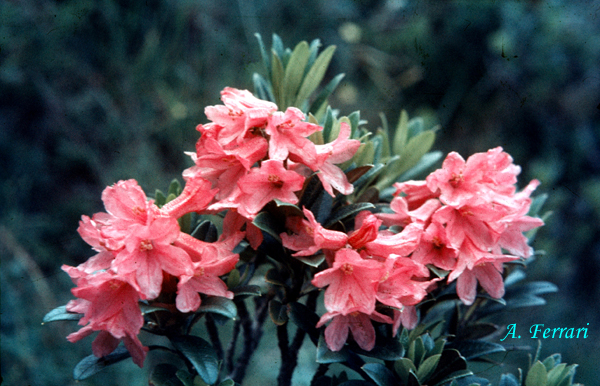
[{"x": 92, "y": 92}]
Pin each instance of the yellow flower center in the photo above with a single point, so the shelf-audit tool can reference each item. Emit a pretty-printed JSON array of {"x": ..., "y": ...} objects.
[{"x": 146, "y": 245}]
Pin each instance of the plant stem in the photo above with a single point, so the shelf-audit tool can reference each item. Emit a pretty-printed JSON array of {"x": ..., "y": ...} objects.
[
  {"x": 252, "y": 331},
  {"x": 228, "y": 365},
  {"x": 213, "y": 333},
  {"x": 321, "y": 371}
]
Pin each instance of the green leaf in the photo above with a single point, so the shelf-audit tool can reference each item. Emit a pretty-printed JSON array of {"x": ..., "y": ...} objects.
[
  {"x": 174, "y": 189},
  {"x": 148, "y": 309},
  {"x": 278, "y": 312},
  {"x": 325, "y": 355},
  {"x": 425, "y": 163},
  {"x": 277, "y": 79},
  {"x": 294, "y": 72},
  {"x": 265, "y": 222},
  {"x": 91, "y": 364},
  {"x": 347, "y": 211},
  {"x": 60, "y": 313},
  {"x": 313, "y": 261},
  {"x": 428, "y": 367},
  {"x": 557, "y": 374},
  {"x": 233, "y": 279},
  {"x": 551, "y": 361},
  {"x": 264, "y": 54},
  {"x": 315, "y": 75},
  {"x": 401, "y": 134},
  {"x": 262, "y": 88},
  {"x": 479, "y": 330},
  {"x": 206, "y": 231},
  {"x": 568, "y": 378},
  {"x": 536, "y": 205},
  {"x": 159, "y": 198},
  {"x": 380, "y": 374},
  {"x": 472, "y": 349},
  {"x": 249, "y": 290},
  {"x": 403, "y": 367},
  {"x": 450, "y": 363},
  {"x": 415, "y": 127},
  {"x": 415, "y": 149},
  {"x": 229, "y": 382},
  {"x": 277, "y": 45},
  {"x": 354, "y": 174},
  {"x": 219, "y": 305},
  {"x": 164, "y": 374},
  {"x": 537, "y": 375},
  {"x": 186, "y": 378},
  {"x": 305, "y": 319},
  {"x": 416, "y": 351},
  {"x": 508, "y": 380},
  {"x": 200, "y": 354},
  {"x": 454, "y": 376},
  {"x": 321, "y": 99},
  {"x": 273, "y": 276}
]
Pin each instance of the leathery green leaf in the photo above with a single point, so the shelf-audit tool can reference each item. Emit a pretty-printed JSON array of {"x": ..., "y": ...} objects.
[
  {"x": 164, "y": 374},
  {"x": 428, "y": 367},
  {"x": 416, "y": 148},
  {"x": 537, "y": 375},
  {"x": 200, "y": 354},
  {"x": 380, "y": 374},
  {"x": 315, "y": 75},
  {"x": 91, "y": 364},
  {"x": 403, "y": 367},
  {"x": 401, "y": 134},
  {"x": 294, "y": 72},
  {"x": 219, "y": 305},
  {"x": 277, "y": 79},
  {"x": 60, "y": 313},
  {"x": 278, "y": 312}
]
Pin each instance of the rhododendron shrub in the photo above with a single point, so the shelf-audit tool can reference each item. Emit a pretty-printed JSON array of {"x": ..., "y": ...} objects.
[{"x": 304, "y": 213}]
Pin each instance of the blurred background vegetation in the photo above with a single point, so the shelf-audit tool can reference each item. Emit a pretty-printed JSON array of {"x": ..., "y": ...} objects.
[{"x": 92, "y": 92}]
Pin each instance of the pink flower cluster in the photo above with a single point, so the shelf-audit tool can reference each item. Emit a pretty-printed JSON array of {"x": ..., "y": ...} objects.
[
  {"x": 142, "y": 254},
  {"x": 461, "y": 219},
  {"x": 249, "y": 155},
  {"x": 253, "y": 154}
]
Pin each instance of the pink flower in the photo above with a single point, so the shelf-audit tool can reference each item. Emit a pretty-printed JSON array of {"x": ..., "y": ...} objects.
[
  {"x": 127, "y": 204},
  {"x": 336, "y": 333},
  {"x": 260, "y": 186},
  {"x": 211, "y": 260},
  {"x": 387, "y": 243},
  {"x": 310, "y": 236},
  {"x": 366, "y": 229},
  {"x": 484, "y": 177},
  {"x": 242, "y": 112},
  {"x": 288, "y": 133},
  {"x": 148, "y": 251},
  {"x": 195, "y": 197},
  {"x": 407, "y": 316},
  {"x": 404, "y": 284},
  {"x": 416, "y": 193},
  {"x": 434, "y": 248},
  {"x": 340, "y": 150},
  {"x": 475, "y": 265},
  {"x": 352, "y": 283},
  {"x": 402, "y": 216},
  {"x": 110, "y": 305},
  {"x": 224, "y": 167}
]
